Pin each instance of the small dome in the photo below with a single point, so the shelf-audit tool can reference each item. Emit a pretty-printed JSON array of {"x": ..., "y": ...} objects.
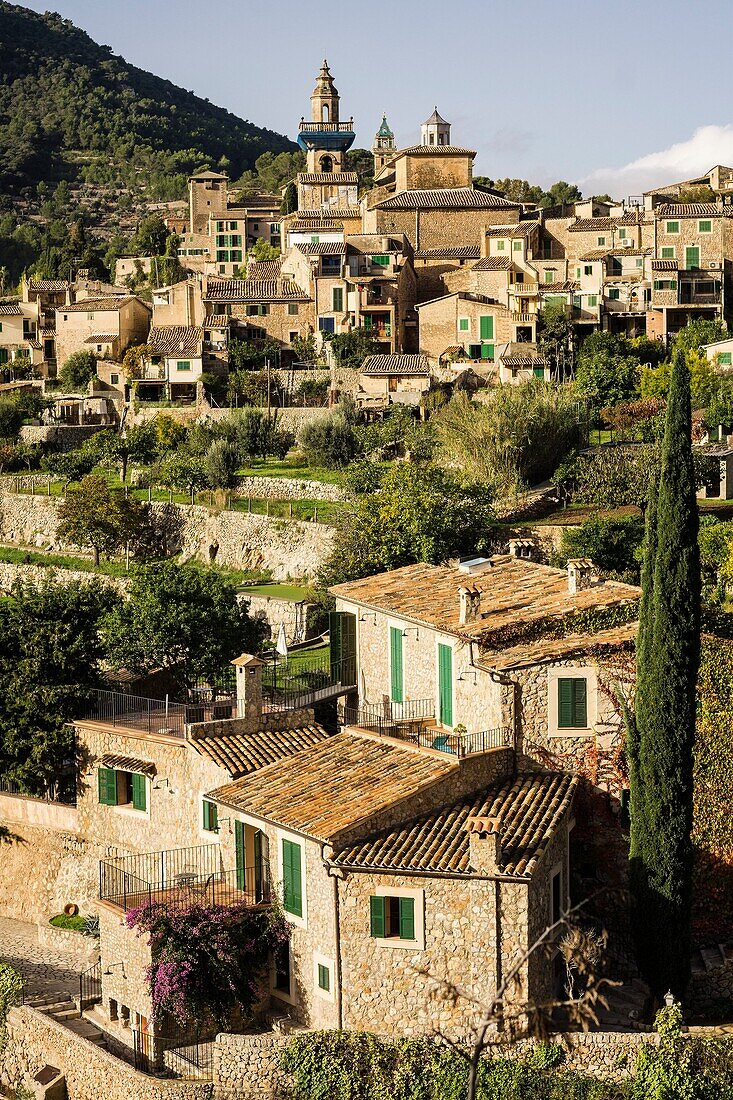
[
  {"x": 384, "y": 130},
  {"x": 435, "y": 120}
]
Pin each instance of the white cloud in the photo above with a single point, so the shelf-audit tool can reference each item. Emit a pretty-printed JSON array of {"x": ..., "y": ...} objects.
[{"x": 708, "y": 146}]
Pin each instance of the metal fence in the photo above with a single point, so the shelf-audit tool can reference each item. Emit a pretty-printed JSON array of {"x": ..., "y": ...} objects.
[
  {"x": 420, "y": 729},
  {"x": 173, "y": 1055},
  {"x": 90, "y": 987},
  {"x": 63, "y": 792},
  {"x": 180, "y": 878},
  {"x": 135, "y": 712},
  {"x": 299, "y": 681}
]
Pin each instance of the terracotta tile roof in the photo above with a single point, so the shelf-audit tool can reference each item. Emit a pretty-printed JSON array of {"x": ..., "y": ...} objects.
[
  {"x": 264, "y": 269},
  {"x": 519, "y": 355},
  {"x": 551, "y": 649},
  {"x": 665, "y": 265},
  {"x": 176, "y": 339},
  {"x": 241, "y": 753},
  {"x": 395, "y": 364},
  {"x": 316, "y": 227},
  {"x": 217, "y": 320},
  {"x": 331, "y": 787},
  {"x": 523, "y": 229},
  {"x": 322, "y": 248},
  {"x": 128, "y": 764},
  {"x": 343, "y": 178},
  {"x": 457, "y": 252},
  {"x": 435, "y": 150},
  {"x": 34, "y": 344},
  {"x": 10, "y": 309},
  {"x": 444, "y": 198},
  {"x": 566, "y": 287},
  {"x": 102, "y": 337},
  {"x": 512, "y": 590},
  {"x": 530, "y": 809},
  {"x": 693, "y": 210},
  {"x": 47, "y": 284},
  {"x": 50, "y": 332},
  {"x": 328, "y": 213},
  {"x": 493, "y": 263},
  {"x": 253, "y": 290},
  {"x": 590, "y": 225},
  {"x": 601, "y": 253},
  {"x": 92, "y": 305}
]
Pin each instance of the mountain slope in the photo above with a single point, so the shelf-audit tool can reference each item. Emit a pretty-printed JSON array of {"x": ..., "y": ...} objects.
[{"x": 70, "y": 108}]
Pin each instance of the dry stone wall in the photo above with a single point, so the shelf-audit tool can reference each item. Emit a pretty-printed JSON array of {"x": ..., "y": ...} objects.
[
  {"x": 288, "y": 488},
  {"x": 286, "y": 548}
]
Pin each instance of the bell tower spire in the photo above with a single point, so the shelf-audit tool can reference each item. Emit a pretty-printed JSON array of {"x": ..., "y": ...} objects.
[
  {"x": 325, "y": 99},
  {"x": 325, "y": 138}
]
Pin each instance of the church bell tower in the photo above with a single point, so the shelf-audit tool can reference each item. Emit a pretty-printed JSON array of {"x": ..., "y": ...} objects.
[{"x": 325, "y": 139}]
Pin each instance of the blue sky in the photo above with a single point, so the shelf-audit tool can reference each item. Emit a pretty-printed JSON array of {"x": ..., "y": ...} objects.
[{"x": 615, "y": 96}]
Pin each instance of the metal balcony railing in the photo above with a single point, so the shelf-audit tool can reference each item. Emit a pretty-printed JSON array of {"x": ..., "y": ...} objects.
[
  {"x": 414, "y": 722},
  {"x": 134, "y": 712},
  {"x": 326, "y": 127}
]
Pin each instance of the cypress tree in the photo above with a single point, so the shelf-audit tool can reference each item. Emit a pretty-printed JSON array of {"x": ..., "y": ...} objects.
[{"x": 663, "y": 729}]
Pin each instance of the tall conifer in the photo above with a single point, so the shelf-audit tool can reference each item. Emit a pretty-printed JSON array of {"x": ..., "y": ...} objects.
[{"x": 661, "y": 734}]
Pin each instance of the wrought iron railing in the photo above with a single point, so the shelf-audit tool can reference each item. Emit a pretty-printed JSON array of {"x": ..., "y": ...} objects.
[
  {"x": 421, "y": 730},
  {"x": 326, "y": 127},
  {"x": 90, "y": 987},
  {"x": 135, "y": 712},
  {"x": 180, "y": 878},
  {"x": 299, "y": 680},
  {"x": 173, "y": 1055},
  {"x": 62, "y": 792}
]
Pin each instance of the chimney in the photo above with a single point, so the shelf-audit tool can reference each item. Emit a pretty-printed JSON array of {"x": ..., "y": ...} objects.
[
  {"x": 521, "y": 548},
  {"x": 581, "y": 574},
  {"x": 484, "y": 837},
  {"x": 249, "y": 688},
  {"x": 470, "y": 604}
]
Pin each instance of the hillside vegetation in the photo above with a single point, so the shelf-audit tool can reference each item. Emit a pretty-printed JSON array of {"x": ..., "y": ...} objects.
[{"x": 71, "y": 109}]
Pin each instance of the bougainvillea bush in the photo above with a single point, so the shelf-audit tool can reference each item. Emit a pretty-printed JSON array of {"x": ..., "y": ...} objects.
[{"x": 208, "y": 960}]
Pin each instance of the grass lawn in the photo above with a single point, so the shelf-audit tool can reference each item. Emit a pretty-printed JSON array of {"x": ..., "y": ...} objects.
[
  {"x": 279, "y": 591},
  {"x": 292, "y": 467},
  {"x": 17, "y": 556}
]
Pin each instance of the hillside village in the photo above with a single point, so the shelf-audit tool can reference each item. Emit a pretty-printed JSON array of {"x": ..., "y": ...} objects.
[{"x": 356, "y": 506}]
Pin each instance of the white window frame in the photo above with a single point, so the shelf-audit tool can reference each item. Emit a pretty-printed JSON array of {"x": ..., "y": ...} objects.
[
  {"x": 294, "y": 838},
  {"x": 396, "y": 625},
  {"x": 705, "y": 231},
  {"x": 418, "y": 896},
  {"x": 464, "y": 331},
  {"x": 324, "y": 960},
  {"x": 674, "y": 252},
  {"x": 672, "y": 232},
  {"x": 590, "y": 673},
  {"x": 210, "y": 836}
]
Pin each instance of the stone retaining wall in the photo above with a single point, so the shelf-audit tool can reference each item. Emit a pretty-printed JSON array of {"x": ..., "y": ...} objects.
[
  {"x": 286, "y": 548},
  {"x": 708, "y": 989},
  {"x": 65, "y": 437},
  {"x": 35, "y": 1040},
  {"x": 43, "y": 867},
  {"x": 288, "y": 488},
  {"x": 9, "y": 573},
  {"x": 81, "y": 949},
  {"x": 296, "y": 616}
]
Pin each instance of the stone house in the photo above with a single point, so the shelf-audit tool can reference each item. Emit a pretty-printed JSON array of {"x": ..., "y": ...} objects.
[
  {"x": 174, "y": 366},
  {"x": 402, "y": 869},
  {"x": 278, "y": 308},
  {"x": 179, "y": 303},
  {"x": 434, "y": 265},
  {"x": 20, "y": 336},
  {"x": 393, "y": 379},
  {"x": 105, "y": 326},
  {"x": 439, "y": 217},
  {"x": 472, "y": 323}
]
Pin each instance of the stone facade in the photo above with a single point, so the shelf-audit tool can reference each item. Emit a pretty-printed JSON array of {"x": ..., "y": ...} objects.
[
  {"x": 288, "y": 488},
  {"x": 297, "y": 616}
]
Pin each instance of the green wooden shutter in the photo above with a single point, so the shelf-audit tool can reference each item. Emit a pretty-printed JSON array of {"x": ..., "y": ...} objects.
[
  {"x": 580, "y": 705},
  {"x": 335, "y": 619},
  {"x": 259, "y": 867},
  {"x": 338, "y": 299},
  {"x": 395, "y": 653},
  {"x": 487, "y": 351},
  {"x": 692, "y": 257},
  {"x": 445, "y": 684},
  {"x": 324, "y": 978},
  {"x": 292, "y": 879},
  {"x": 487, "y": 328},
  {"x": 565, "y": 703},
  {"x": 139, "y": 800},
  {"x": 376, "y": 917},
  {"x": 211, "y": 816},
  {"x": 239, "y": 853},
  {"x": 107, "y": 780},
  {"x": 348, "y": 648},
  {"x": 407, "y": 918}
]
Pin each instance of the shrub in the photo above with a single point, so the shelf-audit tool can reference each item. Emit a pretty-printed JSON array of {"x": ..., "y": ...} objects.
[
  {"x": 71, "y": 924},
  {"x": 222, "y": 462},
  {"x": 329, "y": 441},
  {"x": 78, "y": 370}
]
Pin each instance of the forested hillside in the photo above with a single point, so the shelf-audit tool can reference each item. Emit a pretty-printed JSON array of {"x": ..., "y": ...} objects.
[{"x": 71, "y": 109}]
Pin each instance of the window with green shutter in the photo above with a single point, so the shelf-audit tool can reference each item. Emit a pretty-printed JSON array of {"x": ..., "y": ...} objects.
[
  {"x": 183, "y": 364},
  {"x": 622, "y": 233},
  {"x": 538, "y": 372},
  {"x": 724, "y": 358},
  {"x": 486, "y": 327},
  {"x": 705, "y": 226},
  {"x": 395, "y": 664},
  {"x": 445, "y": 684},
  {"x": 239, "y": 854},
  {"x": 500, "y": 245},
  {"x": 517, "y": 246},
  {"x": 292, "y": 879},
  {"x": 614, "y": 293},
  {"x": 550, "y": 274},
  {"x": 338, "y": 299},
  {"x": 324, "y": 978},
  {"x": 292, "y": 309},
  {"x": 592, "y": 299},
  {"x": 572, "y": 703},
  {"x": 463, "y": 324},
  {"x": 107, "y": 783},
  {"x": 139, "y": 791},
  {"x": 601, "y": 240},
  {"x": 381, "y": 261},
  {"x": 392, "y": 917},
  {"x": 474, "y": 351},
  {"x": 668, "y": 252},
  {"x": 692, "y": 257},
  {"x": 211, "y": 816},
  {"x": 487, "y": 351},
  {"x": 673, "y": 227}
]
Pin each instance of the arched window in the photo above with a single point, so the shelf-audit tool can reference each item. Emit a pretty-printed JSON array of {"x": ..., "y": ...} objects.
[
  {"x": 326, "y": 164},
  {"x": 324, "y": 113}
]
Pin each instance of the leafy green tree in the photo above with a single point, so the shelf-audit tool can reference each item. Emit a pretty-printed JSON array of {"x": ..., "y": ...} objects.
[
  {"x": 561, "y": 192},
  {"x": 70, "y": 465},
  {"x": 607, "y": 371},
  {"x": 263, "y": 250},
  {"x": 419, "y": 513},
  {"x": 96, "y": 516},
  {"x": 222, "y": 463},
  {"x": 290, "y": 199},
  {"x": 617, "y": 476},
  {"x": 151, "y": 237},
  {"x": 705, "y": 382},
  {"x": 351, "y": 348},
  {"x": 78, "y": 370},
  {"x": 662, "y": 733},
  {"x": 519, "y": 190},
  {"x": 183, "y": 473},
  {"x": 138, "y": 444},
  {"x": 182, "y": 618},
  {"x": 614, "y": 545},
  {"x": 328, "y": 441},
  {"x": 11, "y": 418},
  {"x": 50, "y": 654},
  {"x": 556, "y": 337}
]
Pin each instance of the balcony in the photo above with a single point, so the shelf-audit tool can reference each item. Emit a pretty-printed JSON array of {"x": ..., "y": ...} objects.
[
  {"x": 524, "y": 318},
  {"x": 326, "y": 127},
  {"x": 152, "y": 373},
  {"x": 414, "y": 722},
  {"x": 181, "y": 878},
  {"x": 156, "y": 717},
  {"x": 526, "y": 290}
]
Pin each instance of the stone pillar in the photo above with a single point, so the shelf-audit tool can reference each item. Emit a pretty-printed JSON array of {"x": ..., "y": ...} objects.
[{"x": 249, "y": 687}]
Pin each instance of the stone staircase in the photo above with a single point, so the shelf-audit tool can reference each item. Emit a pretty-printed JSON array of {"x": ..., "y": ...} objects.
[{"x": 60, "y": 1006}]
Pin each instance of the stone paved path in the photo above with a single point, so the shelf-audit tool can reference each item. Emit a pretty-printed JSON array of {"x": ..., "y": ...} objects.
[{"x": 42, "y": 968}]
